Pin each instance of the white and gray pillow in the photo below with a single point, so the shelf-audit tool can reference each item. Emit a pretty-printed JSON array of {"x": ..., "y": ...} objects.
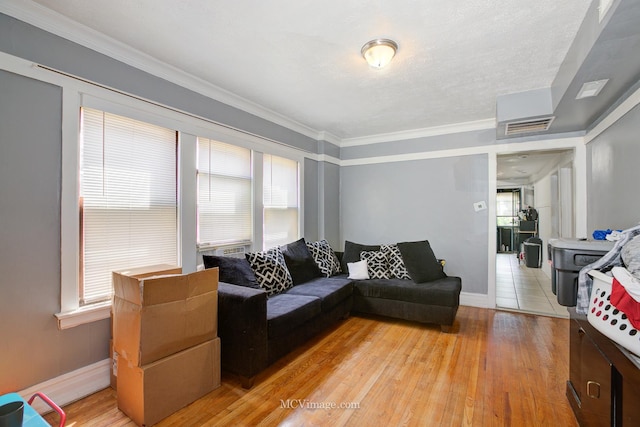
[
  {"x": 271, "y": 270},
  {"x": 377, "y": 265},
  {"x": 325, "y": 258},
  {"x": 397, "y": 269}
]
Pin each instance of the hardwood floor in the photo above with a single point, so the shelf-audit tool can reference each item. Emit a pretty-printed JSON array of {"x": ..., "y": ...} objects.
[{"x": 494, "y": 369}]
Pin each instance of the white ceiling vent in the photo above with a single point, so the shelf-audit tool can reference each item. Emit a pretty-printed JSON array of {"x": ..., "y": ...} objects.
[{"x": 528, "y": 126}]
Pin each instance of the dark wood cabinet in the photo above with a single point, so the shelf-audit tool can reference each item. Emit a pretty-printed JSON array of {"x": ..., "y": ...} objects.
[{"x": 604, "y": 379}]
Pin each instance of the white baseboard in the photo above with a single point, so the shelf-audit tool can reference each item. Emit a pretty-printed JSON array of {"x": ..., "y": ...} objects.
[
  {"x": 474, "y": 300},
  {"x": 71, "y": 386}
]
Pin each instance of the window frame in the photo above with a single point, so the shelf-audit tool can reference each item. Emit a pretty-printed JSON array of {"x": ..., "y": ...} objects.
[
  {"x": 287, "y": 208},
  {"x": 148, "y": 206},
  {"x": 78, "y": 94},
  {"x": 208, "y": 245},
  {"x": 72, "y": 313}
]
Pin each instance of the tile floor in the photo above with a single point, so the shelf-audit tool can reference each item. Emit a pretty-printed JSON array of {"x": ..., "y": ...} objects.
[{"x": 525, "y": 289}]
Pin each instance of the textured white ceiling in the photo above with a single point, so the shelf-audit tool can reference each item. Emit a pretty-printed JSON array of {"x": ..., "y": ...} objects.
[
  {"x": 301, "y": 59},
  {"x": 528, "y": 167}
]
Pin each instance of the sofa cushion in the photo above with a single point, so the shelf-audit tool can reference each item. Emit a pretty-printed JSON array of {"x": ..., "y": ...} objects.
[
  {"x": 352, "y": 252},
  {"x": 325, "y": 258},
  {"x": 299, "y": 261},
  {"x": 285, "y": 312},
  {"x": 270, "y": 270},
  {"x": 377, "y": 265},
  {"x": 397, "y": 269},
  {"x": 330, "y": 290},
  {"x": 236, "y": 271},
  {"x": 443, "y": 292},
  {"x": 420, "y": 261}
]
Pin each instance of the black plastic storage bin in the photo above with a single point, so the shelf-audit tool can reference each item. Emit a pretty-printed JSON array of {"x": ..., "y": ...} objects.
[
  {"x": 533, "y": 252},
  {"x": 568, "y": 256}
]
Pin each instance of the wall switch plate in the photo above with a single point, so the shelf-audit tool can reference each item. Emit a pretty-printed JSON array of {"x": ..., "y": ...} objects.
[{"x": 479, "y": 206}]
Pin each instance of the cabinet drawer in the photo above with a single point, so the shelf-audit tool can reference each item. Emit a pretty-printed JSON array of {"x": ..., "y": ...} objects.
[{"x": 591, "y": 375}]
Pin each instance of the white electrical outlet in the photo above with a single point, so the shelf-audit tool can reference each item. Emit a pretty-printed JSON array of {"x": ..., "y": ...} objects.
[{"x": 479, "y": 206}]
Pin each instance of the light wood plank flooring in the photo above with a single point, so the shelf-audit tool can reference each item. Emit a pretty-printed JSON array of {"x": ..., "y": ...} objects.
[{"x": 495, "y": 368}]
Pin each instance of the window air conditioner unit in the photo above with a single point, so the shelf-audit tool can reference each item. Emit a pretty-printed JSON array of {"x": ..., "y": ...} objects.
[{"x": 231, "y": 251}]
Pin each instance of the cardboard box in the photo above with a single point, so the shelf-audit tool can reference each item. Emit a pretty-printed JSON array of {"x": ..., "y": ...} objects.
[
  {"x": 152, "y": 392},
  {"x": 156, "y": 316}
]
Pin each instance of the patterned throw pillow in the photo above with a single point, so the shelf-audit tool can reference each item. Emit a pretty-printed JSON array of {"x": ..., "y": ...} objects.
[
  {"x": 377, "y": 265},
  {"x": 324, "y": 256},
  {"x": 270, "y": 270},
  {"x": 397, "y": 269}
]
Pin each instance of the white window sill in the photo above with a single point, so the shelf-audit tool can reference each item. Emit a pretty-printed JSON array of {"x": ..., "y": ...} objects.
[{"x": 82, "y": 315}]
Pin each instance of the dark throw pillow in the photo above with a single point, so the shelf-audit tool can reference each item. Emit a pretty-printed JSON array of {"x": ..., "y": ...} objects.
[
  {"x": 236, "y": 271},
  {"x": 300, "y": 262},
  {"x": 420, "y": 261},
  {"x": 352, "y": 252}
]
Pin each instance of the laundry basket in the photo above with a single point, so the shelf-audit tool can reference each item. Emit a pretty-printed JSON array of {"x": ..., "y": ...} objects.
[{"x": 607, "y": 319}]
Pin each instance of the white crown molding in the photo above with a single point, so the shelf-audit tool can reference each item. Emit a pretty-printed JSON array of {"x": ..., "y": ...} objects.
[
  {"x": 328, "y": 159},
  {"x": 329, "y": 137},
  {"x": 421, "y": 133},
  {"x": 53, "y": 22}
]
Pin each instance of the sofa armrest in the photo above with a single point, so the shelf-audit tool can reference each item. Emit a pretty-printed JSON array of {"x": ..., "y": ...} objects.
[{"x": 242, "y": 327}]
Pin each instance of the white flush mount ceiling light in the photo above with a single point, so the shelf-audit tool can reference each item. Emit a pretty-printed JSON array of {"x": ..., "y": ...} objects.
[
  {"x": 591, "y": 88},
  {"x": 379, "y": 52}
]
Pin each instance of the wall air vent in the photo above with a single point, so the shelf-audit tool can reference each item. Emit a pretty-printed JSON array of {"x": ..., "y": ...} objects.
[{"x": 528, "y": 126}]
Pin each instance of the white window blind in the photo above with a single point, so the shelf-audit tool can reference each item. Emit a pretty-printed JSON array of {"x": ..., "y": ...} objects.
[
  {"x": 224, "y": 193},
  {"x": 280, "y": 200},
  {"x": 128, "y": 199}
]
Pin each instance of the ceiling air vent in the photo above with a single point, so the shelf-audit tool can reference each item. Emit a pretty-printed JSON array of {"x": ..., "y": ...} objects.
[{"x": 528, "y": 126}]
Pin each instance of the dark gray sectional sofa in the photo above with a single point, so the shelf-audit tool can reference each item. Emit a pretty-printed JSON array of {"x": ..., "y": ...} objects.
[{"x": 256, "y": 329}]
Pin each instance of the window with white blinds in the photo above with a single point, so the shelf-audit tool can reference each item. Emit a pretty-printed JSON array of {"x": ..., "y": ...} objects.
[
  {"x": 280, "y": 201},
  {"x": 224, "y": 193},
  {"x": 128, "y": 199}
]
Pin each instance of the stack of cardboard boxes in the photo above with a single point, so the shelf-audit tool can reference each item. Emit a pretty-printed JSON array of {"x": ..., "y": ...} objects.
[{"x": 166, "y": 352}]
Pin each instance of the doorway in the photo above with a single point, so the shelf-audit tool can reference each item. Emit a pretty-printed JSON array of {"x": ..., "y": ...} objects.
[{"x": 541, "y": 180}]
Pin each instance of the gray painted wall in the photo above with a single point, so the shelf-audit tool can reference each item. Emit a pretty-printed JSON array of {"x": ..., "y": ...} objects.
[
  {"x": 32, "y": 349},
  {"x": 331, "y": 197},
  {"x": 613, "y": 175},
  {"x": 311, "y": 194},
  {"x": 423, "y": 199},
  {"x": 322, "y": 202},
  {"x": 329, "y": 149}
]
